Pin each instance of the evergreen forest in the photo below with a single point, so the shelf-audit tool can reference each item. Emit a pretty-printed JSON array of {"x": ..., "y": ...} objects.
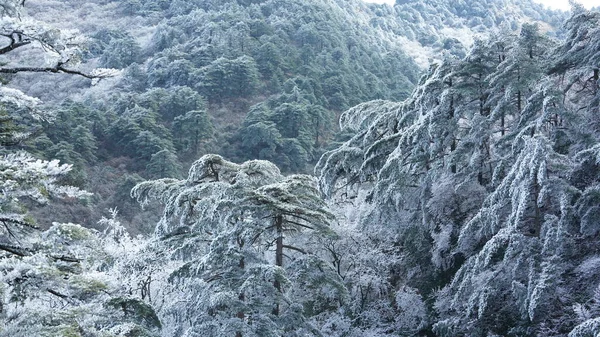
[{"x": 308, "y": 168}]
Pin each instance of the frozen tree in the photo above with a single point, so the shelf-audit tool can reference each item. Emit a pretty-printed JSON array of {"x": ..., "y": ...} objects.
[
  {"x": 231, "y": 225},
  {"x": 521, "y": 229},
  {"x": 191, "y": 130},
  {"x": 469, "y": 209},
  {"x": 576, "y": 60},
  {"x": 522, "y": 61},
  {"x": 163, "y": 164},
  {"x": 27, "y": 179},
  {"x": 50, "y": 279}
]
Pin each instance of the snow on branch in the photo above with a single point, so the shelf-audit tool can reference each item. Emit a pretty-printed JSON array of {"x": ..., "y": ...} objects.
[{"x": 59, "y": 68}]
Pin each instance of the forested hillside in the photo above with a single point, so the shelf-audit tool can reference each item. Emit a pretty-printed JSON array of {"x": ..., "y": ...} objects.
[
  {"x": 459, "y": 199},
  {"x": 263, "y": 80},
  {"x": 429, "y": 29},
  {"x": 247, "y": 80}
]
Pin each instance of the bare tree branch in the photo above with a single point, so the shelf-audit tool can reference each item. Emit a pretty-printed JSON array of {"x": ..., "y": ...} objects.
[
  {"x": 56, "y": 293},
  {"x": 59, "y": 68},
  {"x": 18, "y": 222},
  {"x": 22, "y": 252},
  {"x": 13, "y": 45},
  {"x": 66, "y": 258},
  {"x": 295, "y": 248}
]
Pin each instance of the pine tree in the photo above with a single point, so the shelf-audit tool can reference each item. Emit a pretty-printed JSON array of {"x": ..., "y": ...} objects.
[
  {"x": 84, "y": 143},
  {"x": 191, "y": 130},
  {"x": 164, "y": 164},
  {"x": 231, "y": 225},
  {"x": 515, "y": 78}
]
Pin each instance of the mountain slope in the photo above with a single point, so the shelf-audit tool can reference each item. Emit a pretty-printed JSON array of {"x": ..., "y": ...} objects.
[{"x": 254, "y": 79}]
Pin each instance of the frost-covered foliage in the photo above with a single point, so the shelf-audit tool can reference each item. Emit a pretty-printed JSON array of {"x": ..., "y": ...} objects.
[
  {"x": 470, "y": 209},
  {"x": 26, "y": 179},
  {"x": 21, "y": 30},
  {"x": 433, "y": 27},
  {"x": 483, "y": 185},
  {"x": 53, "y": 283},
  {"x": 23, "y": 178},
  {"x": 246, "y": 79},
  {"x": 16, "y": 98},
  {"x": 68, "y": 284},
  {"x": 247, "y": 240}
]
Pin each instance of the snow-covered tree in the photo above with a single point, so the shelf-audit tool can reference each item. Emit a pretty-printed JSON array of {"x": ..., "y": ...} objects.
[
  {"x": 232, "y": 225},
  {"x": 523, "y": 60}
]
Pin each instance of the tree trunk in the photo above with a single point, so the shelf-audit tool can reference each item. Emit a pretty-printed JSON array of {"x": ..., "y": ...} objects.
[
  {"x": 317, "y": 131},
  {"x": 241, "y": 297},
  {"x": 451, "y": 115},
  {"x": 596, "y": 85},
  {"x": 519, "y": 92},
  {"x": 502, "y": 123},
  {"x": 278, "y": 257},
  {"x": 537, "y": 221},
  {"x": 452, "y": 149}
]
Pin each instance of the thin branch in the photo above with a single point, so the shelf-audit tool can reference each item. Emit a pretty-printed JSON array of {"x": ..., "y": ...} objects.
[
  {"x": 66, "y": 258},
  {"x": 58, "y": 69},
  {"x": 18, "y": 222},
  {"x": 12, "y": 46},
  {"x": 22, "y": 252},
  {"x": 17, "y": 39},
  {"x": 299, "y": 224},
  {"x": 296, "y": 249},
  {"x": 10, "y": 232},
  {"x": 349, "y": 182},
  {"x": 214, "y": 277},
  {"x": 259, "y": 234},
  {"x": 57, "y": 294}
]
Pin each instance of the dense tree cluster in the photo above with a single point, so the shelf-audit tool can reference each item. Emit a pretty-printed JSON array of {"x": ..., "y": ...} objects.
[
  {"x": 243, "y": 56},
  {"x": 55, "y": 282},
  {"x": 482, "y": 180},
  {"x": 248, "y": 80}
]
